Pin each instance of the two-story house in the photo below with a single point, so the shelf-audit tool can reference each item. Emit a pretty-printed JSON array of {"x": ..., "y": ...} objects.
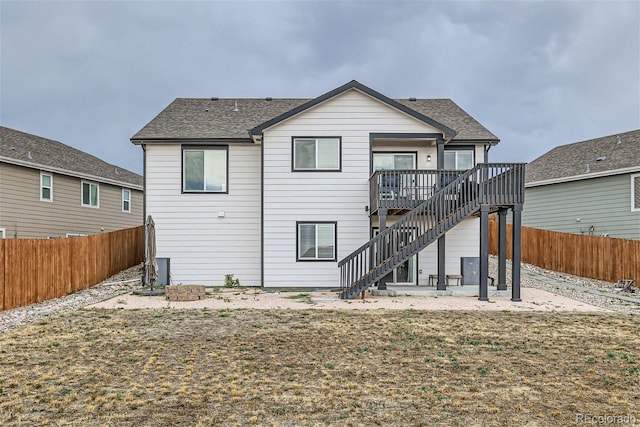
[
  {"x": 589, "y": 187},
  {"x": 50, "y": 190},
  {"x": 348, "y": 188}
]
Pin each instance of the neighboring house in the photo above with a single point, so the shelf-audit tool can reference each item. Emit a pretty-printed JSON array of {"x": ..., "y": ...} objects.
[
  {"x": 51, "y": 190},
  {"x": 281, "y": 192},
  {"x": 590, "y": 187}
]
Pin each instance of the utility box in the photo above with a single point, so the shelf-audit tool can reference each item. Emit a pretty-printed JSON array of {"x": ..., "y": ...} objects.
[
  {"x": 470, "y": 270},
  {"x": 163, "y": 272}
]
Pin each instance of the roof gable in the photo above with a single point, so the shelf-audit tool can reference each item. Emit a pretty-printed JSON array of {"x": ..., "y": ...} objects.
[
  {"x": 353, "y": 84},
  {"x": 587, "y": 159},
  {"x": 33, "y": 151}
]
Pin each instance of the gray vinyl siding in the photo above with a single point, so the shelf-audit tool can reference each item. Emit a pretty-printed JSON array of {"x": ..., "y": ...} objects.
[
  {"x": 24, "y": 215},
  {"x": 602, "y": 203}
]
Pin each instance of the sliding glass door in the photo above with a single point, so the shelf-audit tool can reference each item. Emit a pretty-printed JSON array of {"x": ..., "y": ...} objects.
[{"x": 404, "y": 274}]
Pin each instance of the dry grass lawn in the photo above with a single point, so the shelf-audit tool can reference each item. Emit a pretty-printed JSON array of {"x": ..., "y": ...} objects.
[{"x": 296, "y": 367}]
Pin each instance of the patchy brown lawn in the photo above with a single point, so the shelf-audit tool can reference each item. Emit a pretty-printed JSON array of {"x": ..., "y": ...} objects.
[{"x": 241, "y": 367}]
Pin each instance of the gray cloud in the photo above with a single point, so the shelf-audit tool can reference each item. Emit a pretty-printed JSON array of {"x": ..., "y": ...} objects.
[{"x": 537, "y": 74}]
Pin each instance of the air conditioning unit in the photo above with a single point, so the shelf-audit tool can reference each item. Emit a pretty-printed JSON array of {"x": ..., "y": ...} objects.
[{"x": 470, "y": 270}]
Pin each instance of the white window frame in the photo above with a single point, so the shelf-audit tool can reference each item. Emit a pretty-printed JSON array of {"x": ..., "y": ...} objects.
[
  {"x": 50, "y": 187},
  {"x": 317, "y": 140},
  {"x": 316, "y": 258},
  {"x": 462, "y": 150},
  {"x": 3, "y": 233},
  {"x": 124, "y": 200},
  {"x": 633, "y": 192},
  {"x": 188, "y": 149},
  {"x": 90, "y": 184}
]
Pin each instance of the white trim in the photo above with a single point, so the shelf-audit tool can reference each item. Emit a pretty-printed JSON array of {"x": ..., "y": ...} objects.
[
  {"x": 3, "y": 233},
  {"x": 128, "y": 201},
  {"x": 583, "y": 176},
  {"x": 633, "y": 192},
  {"x": 82, "y": 183},
  {"x": 75, "y": 235},
  {"x": 50, "y": 175},
  {"x": 67, "y": 172}
]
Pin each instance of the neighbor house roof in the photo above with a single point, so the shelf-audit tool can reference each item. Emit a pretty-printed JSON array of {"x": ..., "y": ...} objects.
[
  {"x": 608, "y": 155},
  {"x": 35, "y": 152},
  {"x": 237, "y": 119}
]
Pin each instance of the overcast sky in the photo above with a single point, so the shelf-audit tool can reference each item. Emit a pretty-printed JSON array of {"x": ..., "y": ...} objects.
[{"x": 536, "y": 74}]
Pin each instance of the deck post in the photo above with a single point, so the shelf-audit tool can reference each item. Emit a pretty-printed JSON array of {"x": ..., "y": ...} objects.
[
  {"x": 442, "y": 284},
  {"x": 516, "y": 239},
  {"x": 502, "y": 249},
  {"x": 483, "y": 294},
  {"x": 382, "y": 218}
]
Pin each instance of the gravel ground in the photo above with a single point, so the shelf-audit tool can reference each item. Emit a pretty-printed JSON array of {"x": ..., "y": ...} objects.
[
  {"x": 593, "y": 292},
  {"x": 590, "y": 291},
  {"x": 121, "y": 283}
]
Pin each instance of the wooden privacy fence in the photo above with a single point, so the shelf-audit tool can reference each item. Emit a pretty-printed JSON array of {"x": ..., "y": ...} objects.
[
  {"x": 602, "y": 258},
  {"x": 35, "y": 270}
]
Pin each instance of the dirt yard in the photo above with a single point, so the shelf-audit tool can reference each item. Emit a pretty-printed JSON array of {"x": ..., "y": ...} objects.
[{"x": 202, "y": 367}]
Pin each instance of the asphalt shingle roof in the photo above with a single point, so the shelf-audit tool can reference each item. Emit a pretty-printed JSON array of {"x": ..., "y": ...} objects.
[
  {"x": 572, "y": 159},
  {"x": 36, "y": 151},
  {"x": 213, "y": 118}
]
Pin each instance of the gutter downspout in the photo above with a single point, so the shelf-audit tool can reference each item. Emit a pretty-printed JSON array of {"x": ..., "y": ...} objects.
[{"x": 144, "y": 208}]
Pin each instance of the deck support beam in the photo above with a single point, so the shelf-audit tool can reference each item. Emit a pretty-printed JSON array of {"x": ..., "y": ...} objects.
[
  {"x": 483, "y": 294},
  {"x": 382, "y": 218},
  {"x": 502, "y": 249},
  {"x": 516, "y": 239},
  {"x": 442, "y": 284}
]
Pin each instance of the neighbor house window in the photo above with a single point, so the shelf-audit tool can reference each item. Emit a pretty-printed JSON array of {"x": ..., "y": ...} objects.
[
  {"x": 635, "y": 192},
  {"x": 205, "y": 170},
  {"x": 3, "y": 233},
  {"x": 90, "y": 194},
  {"x": 72, "y": 235},
  {"x": 126, "y": 200},
  {"x": 316, "y": 241},
  {"x": 458, "y": 159},
  {"x": 316, "y": 154},
  {"x": 46, "y": 187}
]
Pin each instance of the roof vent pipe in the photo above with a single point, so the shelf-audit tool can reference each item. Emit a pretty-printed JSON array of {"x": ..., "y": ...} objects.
[
  {"x": 236, "y": 107},
  {"x": 619, "y": 140},
  {"x": 412, "y": 99},
  {"x": 588, "y": 169},
  {"x": 268, "y": 98}
]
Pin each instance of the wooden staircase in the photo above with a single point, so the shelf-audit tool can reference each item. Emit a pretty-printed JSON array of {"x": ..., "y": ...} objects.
[{"x": 495, "y": 185}]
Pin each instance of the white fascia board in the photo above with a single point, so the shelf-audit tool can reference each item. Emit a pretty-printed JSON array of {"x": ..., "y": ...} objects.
[
  {"x": 583, "y": 176},
  {"x": 70, "y": 173}
]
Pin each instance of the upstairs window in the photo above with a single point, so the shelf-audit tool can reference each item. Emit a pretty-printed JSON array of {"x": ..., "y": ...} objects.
[
  {"x": 46, "y": 187},
  {"x": 205, "y": 170},
  {"x": 459, "y": 159},
  {"x": 90, "y": 194},
  {"x": 316, "y": 154},
  {"x": 317, "y": 241},
  {"x": 126, "y": 200}
]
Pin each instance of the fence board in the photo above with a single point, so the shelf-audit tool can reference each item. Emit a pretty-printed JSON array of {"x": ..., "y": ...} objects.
[
  {"x": 34, "y": 270},
  {"x": 2, "y": 273},
  {"x": 602, "y": 258}
]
